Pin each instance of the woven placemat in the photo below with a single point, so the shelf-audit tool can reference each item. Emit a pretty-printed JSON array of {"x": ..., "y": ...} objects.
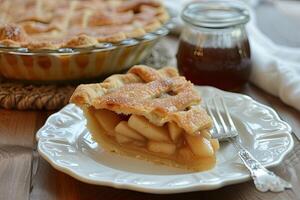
[
  {"x": 28, "y": 97},
  {"x": 22, "y": 96}
]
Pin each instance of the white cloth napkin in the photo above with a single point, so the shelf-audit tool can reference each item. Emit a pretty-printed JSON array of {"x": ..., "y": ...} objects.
[{"x": 276, "y": 68}]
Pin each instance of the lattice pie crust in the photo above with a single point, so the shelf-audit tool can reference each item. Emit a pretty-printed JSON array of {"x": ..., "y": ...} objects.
[
  {"x": 53, "y": 24},
  {"x": 150, "y": 114}
]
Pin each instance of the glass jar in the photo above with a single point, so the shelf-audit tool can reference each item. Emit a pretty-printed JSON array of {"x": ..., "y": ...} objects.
[{"x": 214, "y": 48}]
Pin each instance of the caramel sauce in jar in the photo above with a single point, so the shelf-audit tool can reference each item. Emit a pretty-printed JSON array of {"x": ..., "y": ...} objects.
[
  {"x": 224, "y": 68},
  {"x": 214, "y": 48}
]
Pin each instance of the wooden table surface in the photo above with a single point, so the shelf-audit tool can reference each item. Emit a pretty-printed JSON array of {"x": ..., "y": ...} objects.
[{"x": 22, "y": 178}]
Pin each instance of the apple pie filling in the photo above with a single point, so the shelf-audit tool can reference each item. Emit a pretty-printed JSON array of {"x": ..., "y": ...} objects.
[{"x": 168, "y": 141}]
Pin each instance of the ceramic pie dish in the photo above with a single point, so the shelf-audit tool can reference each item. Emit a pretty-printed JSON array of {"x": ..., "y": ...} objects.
[{"x": 75, "y": 40}]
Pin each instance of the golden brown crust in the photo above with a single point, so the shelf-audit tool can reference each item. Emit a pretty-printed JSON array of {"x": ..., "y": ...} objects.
[
  {"x": 10, "y": 43},
  {"x": 80, "y": 41},
  {"x": 159, "y": 95},
  {"x": 40, "y": 45},
  {"x": 57, "y": 24},
  {"x": 154, "y": 25},
  {"x": 114, "y": 38},
  {"x": 192, "y": 119},
  {"x": 12, "y": 32}
]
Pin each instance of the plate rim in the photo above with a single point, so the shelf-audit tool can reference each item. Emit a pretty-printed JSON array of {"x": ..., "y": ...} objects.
[{"x": 167, "y": 190}]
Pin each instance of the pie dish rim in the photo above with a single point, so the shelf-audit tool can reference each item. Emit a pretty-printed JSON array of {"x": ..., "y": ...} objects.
[{"x": 162, "y": 31}]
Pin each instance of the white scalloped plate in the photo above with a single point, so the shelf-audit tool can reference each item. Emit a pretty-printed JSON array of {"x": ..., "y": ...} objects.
[{"x": 67, "y": 145}]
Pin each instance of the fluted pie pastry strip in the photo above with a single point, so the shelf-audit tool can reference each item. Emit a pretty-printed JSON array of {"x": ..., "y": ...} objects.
[{"x": 150, "y": 114}]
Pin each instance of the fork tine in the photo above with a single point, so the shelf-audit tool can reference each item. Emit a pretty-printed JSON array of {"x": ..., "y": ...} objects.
[
  {"x": 232, "y": 126},
  {"x": 220, "y": 116},
  {"x": 216, "y": 125}
]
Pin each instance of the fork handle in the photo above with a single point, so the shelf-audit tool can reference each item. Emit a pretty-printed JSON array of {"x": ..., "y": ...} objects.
[{"x": 264, "y": 179}]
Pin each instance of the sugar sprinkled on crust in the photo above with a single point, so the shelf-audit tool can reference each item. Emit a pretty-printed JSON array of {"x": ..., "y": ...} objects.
[{"x": 159, "y": 95}]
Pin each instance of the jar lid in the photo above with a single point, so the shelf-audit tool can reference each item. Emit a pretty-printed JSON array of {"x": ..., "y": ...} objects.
[{"x": 216, "y": 14}]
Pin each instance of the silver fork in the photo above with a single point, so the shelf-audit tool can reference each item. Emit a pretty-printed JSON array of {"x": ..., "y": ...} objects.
[{"x": 224, "y": 129}]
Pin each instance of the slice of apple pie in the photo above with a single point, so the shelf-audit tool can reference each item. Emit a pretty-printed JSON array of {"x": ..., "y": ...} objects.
[{"x": 149, "y": 114}]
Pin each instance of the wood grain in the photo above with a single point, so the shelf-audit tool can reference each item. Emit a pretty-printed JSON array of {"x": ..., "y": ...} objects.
[
  {"x": 20, "y": 124},
  {"x": 17, "y": 141},
  {"x": 15, "y": 172}
]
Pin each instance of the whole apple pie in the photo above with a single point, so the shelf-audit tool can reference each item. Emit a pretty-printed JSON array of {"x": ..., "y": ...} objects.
[
  {"x": 53, "y": 24},
  {"x": 150, "y": 114}
]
